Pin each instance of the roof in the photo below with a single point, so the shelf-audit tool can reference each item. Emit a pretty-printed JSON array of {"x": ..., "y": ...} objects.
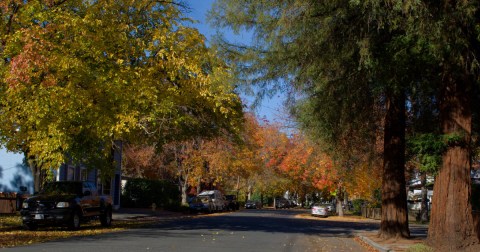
[{"x": 210, "y": 192}]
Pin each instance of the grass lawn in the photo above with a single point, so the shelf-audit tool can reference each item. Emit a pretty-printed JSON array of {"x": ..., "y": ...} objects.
[{"x": 13, "y": 234}]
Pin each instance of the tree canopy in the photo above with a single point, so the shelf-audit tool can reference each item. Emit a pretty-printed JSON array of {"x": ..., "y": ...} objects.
[{"x": 76, "y": 75}]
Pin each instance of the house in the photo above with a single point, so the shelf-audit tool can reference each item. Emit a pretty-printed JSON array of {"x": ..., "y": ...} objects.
[{"x": 110, "y": 187}]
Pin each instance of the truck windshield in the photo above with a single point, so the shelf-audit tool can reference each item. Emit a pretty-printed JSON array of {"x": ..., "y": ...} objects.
[{"x": 63, "y": 188}]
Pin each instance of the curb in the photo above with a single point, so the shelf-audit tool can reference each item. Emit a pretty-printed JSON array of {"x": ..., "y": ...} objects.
[{"x": 374, "y": 244}]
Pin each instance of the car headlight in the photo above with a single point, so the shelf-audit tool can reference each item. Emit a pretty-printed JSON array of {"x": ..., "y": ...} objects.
[
  {"x": 63, "y": 204},
  {"x": 25, "y": 205}
]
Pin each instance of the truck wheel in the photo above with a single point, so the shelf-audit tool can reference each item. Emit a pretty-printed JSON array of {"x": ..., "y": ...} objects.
[
  {"x": 106, "y": 218},
  {"x": 30, "y": 226},
  {"x": 74, "y": 223}
]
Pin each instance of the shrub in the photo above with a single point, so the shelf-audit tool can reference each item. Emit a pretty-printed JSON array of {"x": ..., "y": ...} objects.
[
  {"x": 357, "y": 205},
  {"x": 143, "y": 192}
]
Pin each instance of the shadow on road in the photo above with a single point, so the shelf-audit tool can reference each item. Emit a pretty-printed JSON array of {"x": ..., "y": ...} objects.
[{"x": 270, "y": 221}]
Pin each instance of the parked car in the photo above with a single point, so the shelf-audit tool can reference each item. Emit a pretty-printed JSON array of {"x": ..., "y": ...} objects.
[
  {"x": 331, "y": 207},
  {"x": 250, "y": 204},
  {"x": 218, "y": 200},
  {"x": 281, "y": 203},
  {"x": 231, "y": 202},
  {"x": 321, "y": 210},
  {"x": 66, "y": 203},
  {"x": 201, "y": 204}
]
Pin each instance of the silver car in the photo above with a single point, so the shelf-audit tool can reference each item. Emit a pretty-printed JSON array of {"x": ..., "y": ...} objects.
[{"x": 321, "y": 210}]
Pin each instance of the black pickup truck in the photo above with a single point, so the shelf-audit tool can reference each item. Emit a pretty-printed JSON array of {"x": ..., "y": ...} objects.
[{"x": 66, "y": 203}]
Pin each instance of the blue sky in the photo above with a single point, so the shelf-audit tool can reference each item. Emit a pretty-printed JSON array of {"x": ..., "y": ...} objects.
[{"x": 270, "y": 109}]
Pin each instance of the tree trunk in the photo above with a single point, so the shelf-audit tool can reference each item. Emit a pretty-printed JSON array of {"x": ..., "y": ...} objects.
[
  {"x": 345, "y": 201},
  {"x": 424, "y": 202},
  {"x": 394, "y": 223},
  {"x": 37, "y": 173},
  {"x": 451, "y": 226},
  {"x": 339, "y": 207},
  {"x": 338, "y": 200},
  {"x": 199, "y": 185}
]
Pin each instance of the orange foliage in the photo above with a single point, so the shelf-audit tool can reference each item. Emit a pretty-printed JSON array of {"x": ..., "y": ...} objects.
[
  {"x": 143, "y": 162},
  {"x": 364, "y": 180},
  {"x": 305, "y": 162}
]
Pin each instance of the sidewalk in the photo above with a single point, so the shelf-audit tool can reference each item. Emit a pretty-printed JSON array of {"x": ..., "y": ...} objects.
[
  {"x": 418, "y": 235},
  {"x": 374, "y": 243}
]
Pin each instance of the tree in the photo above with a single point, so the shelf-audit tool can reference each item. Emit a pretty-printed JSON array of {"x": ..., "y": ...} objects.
[
  {"x": 307, "y": 167},
  {"x": 77, "y": 75},
  {"x": 331, "y": 48},
  {"x": 143, "y": 161},
  {"x": 452, "y": 48},
  {"x": 340, "y": 59}
]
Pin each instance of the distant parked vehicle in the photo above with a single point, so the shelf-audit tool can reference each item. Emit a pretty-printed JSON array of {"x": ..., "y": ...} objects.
[
  {"x": 201, "y": 204},
  {"x": 231, "y": 202},
  {"x": 281, "y": 203},
  {"x": 321, "y": 210},
  {"x": 217, "y": 198},
  {"x": 250, "y": 204},
  {"x": 331, "y": 207}
]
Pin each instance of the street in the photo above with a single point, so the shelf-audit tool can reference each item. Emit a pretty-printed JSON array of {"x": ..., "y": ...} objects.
[{"x": 246, "y": 230}]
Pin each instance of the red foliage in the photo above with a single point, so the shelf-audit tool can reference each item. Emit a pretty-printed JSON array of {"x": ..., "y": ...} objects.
[{"x": 31, "y": 65}]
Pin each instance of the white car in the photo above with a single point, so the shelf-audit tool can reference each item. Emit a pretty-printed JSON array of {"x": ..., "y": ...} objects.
[
  {"x": 331, "y": 208},
  {"x": 320, "y": 210}
]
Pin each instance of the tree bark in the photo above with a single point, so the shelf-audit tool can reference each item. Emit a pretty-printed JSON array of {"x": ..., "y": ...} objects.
[
  {"x": 37, "y": 173},
  {"x": 394, "y": 221},
  {"x": 338, "y": 201},
  {"x": 451, "y": 226},
  {"x": 424, "y": 202}
]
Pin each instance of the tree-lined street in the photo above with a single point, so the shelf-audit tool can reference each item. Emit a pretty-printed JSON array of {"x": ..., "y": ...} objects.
[
  {"x": 249, "y": 230},
  {"x": 382, "y": 99}
]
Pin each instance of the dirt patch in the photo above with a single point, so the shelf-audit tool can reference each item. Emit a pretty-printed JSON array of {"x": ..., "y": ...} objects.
[
  {"x": 13, "y": 234},
  {"x": 347, "y": 218},
  {"x": 395, "y": 244}
]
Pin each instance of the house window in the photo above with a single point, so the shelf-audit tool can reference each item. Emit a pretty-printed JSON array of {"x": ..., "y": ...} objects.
[
  {"x": 83, "y": 174},
  {"x": 70, "y": 173},
  {"x": 105, "y": 187}
]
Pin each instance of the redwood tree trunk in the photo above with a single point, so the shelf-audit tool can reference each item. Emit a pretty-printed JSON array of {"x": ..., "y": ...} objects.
[
  {"x": 394, "y": 221},
  {"x": 451, "y": 226}
]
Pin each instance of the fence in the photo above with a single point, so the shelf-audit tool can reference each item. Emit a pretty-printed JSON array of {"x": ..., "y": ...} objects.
[
  {"x": 376, "y": 213},
  {"x": 10, "y": 202},
  {"x": 372, "y": 213}
]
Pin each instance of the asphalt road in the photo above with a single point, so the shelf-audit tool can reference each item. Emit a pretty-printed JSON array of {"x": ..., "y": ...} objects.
[{"x": 246, "y": 230}]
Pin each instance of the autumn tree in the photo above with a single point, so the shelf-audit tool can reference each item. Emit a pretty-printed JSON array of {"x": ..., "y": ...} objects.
[
  {"x": 77, "y": 75},
  {"x": 340, "y": 61},
  {"x": 307, "y": 167},
  {"x": 143, "y": 161}
]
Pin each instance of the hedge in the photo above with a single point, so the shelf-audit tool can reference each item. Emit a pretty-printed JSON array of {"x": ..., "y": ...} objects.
[{"x": 142, "y": 193}]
